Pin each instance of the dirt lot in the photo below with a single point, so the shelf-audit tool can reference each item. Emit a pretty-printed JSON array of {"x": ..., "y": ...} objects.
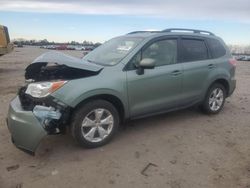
[{"x": 187, "y": 149}]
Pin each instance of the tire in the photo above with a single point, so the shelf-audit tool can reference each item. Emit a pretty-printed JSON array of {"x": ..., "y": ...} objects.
[
  {"x": 214, "y": 103},
  {"x": 95, "y": 123}
]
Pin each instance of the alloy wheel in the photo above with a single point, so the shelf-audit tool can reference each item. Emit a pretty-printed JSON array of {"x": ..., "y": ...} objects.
[
  {"x": 97, "y": 125},
  {"x": 216, "y": 99}
]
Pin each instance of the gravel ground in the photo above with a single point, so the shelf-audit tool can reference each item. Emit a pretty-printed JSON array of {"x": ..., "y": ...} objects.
[{"x": 184, "y": 149}]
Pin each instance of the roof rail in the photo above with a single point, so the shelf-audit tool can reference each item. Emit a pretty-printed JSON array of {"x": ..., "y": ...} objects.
[
  {"x": 189, "y": 30},
  {"x": 134, "y": 32}
]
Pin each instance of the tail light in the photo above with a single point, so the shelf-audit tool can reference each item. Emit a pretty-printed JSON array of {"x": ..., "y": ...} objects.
[{"x": 233, "y": 62}]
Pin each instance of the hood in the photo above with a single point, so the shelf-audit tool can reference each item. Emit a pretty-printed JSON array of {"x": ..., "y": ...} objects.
[
  {"x": 57, "y": 65},
  {"x": 70, "y": 61}
]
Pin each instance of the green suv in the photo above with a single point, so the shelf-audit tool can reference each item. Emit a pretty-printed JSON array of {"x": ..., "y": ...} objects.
[{"x": 139, "y": 74}]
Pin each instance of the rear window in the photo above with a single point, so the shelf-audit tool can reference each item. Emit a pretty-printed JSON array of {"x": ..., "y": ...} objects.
[
  {"x": 193, "y": 50},
  {"x": 216, "y": 48}
]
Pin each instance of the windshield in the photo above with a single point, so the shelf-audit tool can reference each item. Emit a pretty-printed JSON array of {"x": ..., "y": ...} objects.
[{"x": 113, "y": 51}]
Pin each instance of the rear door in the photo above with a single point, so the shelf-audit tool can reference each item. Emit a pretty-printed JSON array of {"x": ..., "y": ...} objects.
[
  {"x": 157, "y": 89},
  {"x": 197, "y": 65}
]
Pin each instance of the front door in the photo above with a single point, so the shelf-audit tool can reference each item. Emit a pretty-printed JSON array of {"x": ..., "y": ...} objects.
[{"x": 157, "y": 89}]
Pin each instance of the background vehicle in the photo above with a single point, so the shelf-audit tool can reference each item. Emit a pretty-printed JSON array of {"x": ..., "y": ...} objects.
[
  {"x": 79, "y": 48},
  {"x": 19, "y": 45},
  {"x": 246, "y": 58},
  {"x": 128, "y": 77},
  {"x": 70, "y": 47},
  {"x": 242, "y": 57},
  {"x": 5, "y": 45},
  {"x": 61, "y": 47}
]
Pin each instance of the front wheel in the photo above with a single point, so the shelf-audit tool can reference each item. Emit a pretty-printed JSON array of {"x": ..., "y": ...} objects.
[
  {"x": 95, "y": 123},
  {"x": 215, "y": 99}
]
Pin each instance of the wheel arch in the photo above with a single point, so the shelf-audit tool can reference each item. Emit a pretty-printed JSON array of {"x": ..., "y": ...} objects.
[
  {"x": 114, "y": 100},
  {"x": 223, "y": 82}
]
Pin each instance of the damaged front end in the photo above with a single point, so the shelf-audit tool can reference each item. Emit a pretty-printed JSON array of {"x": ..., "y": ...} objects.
[
  {"x": 34, "y": 113},
  {"x": 59, "y": 66},
  {"x": 29, "y": 127},
  {"x": 52, "y": 114}
]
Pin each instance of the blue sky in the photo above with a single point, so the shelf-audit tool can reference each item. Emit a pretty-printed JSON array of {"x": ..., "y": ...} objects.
[{"x": 98, "y": 21}]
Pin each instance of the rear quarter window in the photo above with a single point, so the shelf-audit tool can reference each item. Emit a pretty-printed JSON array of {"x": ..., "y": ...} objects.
[{"x": 216, "y": 48}]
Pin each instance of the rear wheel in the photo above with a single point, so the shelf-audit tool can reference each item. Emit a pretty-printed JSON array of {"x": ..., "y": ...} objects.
[
  {"x": 95, "y": 123},
  {"x": 215, "y": 99}
]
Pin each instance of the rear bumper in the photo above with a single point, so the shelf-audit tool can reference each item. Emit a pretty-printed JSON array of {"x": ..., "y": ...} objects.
[{"x": 26, "y": 130}]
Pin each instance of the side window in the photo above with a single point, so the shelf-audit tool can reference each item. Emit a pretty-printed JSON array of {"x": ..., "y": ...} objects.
[
  {"x": 193, "y": 50},
  {"x": 164, "y": 52},
  {"x": 216, "y": 48},
  {"x": 134, "y": 61}
]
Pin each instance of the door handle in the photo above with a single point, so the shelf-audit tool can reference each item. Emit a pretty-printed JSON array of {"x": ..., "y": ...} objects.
[
  {"x": 211, "y": 66},
  {"x": 176, "y": 73}
]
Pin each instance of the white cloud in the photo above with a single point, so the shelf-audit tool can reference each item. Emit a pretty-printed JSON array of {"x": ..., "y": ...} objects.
[{"x": 238, "y": 11}]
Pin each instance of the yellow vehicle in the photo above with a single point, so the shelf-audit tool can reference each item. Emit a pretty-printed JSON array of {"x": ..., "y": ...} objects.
[{"x": 5, "y": 45}]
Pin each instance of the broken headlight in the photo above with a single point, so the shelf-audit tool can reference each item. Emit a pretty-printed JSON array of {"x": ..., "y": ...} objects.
[{"x": 43, "y": 89}]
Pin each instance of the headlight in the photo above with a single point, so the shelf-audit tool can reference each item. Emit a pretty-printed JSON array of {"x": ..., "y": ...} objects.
[{"x": 43, "y": 89}]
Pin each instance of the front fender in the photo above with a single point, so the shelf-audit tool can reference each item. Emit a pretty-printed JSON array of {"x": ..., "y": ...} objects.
[
  {"x": 76, "y": 91},
  {"x": 96, "y": 92}
]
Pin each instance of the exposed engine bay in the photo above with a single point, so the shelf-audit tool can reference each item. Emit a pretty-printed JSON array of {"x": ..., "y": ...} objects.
[
  {"x": 57, "y": 65},
  {"x": 37, "y": 72},
  {"x": 51, "y": 113}
]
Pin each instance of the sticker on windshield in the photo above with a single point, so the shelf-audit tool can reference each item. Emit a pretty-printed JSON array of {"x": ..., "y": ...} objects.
[{"x": 124, "y": 48}]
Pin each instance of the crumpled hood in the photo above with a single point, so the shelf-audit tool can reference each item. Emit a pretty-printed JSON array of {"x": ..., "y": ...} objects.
[
  {"x": 56, "y": 65},
  {"x": 70, "y": 61}
]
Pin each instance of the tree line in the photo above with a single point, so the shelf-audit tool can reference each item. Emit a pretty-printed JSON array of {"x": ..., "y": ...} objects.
[{"x": 45, "y": 42}]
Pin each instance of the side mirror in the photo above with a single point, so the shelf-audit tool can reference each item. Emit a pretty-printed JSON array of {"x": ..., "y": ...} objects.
[{"x": 146, "y": 63}]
